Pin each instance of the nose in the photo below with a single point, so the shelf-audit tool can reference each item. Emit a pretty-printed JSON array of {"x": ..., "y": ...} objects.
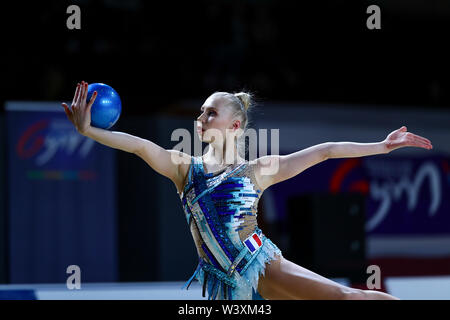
[{"x": 200, "y": 118}]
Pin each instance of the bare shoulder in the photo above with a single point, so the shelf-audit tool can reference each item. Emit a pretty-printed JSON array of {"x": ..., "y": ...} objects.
[
  {"x": 183, "y": 161},
  {"x": 264, "y": 162},
  {"x": 263, "y": 168}
]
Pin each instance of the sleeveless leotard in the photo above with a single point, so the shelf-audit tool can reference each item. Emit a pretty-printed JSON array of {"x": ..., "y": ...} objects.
[{"x": 221, "y": 211}]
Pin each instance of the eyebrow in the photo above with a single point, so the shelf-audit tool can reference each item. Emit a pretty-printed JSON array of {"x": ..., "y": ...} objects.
[{"x": 201, "y": 108}]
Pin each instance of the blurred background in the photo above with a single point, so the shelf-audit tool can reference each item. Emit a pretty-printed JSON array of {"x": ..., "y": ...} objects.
[{"x": 318, "y": 73}]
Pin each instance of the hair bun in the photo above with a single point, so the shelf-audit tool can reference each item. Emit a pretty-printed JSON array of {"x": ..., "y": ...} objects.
[{"x": 245, "y": 98}]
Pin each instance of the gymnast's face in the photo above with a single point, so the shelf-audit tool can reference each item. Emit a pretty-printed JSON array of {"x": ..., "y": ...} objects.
[{"x": 216, "y": 116}]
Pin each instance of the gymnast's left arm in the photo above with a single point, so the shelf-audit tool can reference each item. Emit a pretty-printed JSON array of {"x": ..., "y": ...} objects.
[
  {"x": 276, "y": 168},
  {"x": 272, "y": 169},
  {"x": 399, "y": 138}
]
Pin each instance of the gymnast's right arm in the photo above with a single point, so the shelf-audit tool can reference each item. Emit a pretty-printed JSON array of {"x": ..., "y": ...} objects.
[{"x": 157, "y": 157}]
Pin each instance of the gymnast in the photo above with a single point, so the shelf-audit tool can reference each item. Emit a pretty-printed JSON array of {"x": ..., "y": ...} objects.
[{"x": 219, "y": 193}]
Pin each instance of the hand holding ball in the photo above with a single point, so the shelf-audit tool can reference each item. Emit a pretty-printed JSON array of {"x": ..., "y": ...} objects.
[{"x": 106, "y": 109}]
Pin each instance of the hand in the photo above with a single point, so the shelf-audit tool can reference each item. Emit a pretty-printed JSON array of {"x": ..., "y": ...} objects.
[
  {"x": 80, "y": 115},
  {"x": 401, "y": 138}
]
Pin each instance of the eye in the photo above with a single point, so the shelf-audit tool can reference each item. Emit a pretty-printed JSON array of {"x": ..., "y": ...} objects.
[{"x": 209, "y": 112}]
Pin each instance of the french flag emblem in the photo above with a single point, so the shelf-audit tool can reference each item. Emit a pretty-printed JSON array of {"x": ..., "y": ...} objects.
[{"x": 253, "y": 242}]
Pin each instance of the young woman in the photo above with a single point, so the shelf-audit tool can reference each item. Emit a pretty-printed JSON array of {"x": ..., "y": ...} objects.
[{"x": 219, "y": 192}]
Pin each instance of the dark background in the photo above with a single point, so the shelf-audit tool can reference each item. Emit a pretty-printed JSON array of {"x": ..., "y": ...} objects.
[{"x": 157, "y": 53}]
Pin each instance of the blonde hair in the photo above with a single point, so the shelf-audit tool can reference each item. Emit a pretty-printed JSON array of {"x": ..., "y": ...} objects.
[
  {"x": 241, "y": 103},
  {"x": 245, "y": 98}
]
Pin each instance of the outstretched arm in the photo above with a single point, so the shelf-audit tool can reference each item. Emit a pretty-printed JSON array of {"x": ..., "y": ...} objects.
[
  {"x": 160, "y": 159},
  {"x": 396, "y": 139},
  {"x": 288, "y": 166},
  {"x": 276, "y": 168}
]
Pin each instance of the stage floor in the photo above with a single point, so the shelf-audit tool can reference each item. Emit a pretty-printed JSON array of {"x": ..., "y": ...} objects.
[{"x": 411, "y": 288}]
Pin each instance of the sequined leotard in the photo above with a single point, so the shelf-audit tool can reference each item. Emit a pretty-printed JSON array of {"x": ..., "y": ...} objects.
[{"x": 221, "y": 210}]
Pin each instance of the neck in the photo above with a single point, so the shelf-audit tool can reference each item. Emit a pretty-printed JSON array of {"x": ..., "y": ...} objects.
[{"x": 216, "y": 156}]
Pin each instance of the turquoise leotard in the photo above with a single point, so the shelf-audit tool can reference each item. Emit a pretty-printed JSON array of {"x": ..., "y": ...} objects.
[{"x": 221, "y": 210}]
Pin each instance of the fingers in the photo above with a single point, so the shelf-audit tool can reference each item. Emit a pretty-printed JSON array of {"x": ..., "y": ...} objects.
[
  {"x": 91, "y": 102},
  {"x": 80, "y": 89},
  {"x": 404, "y": 129},
  {"x": 75, "y": 96},
  {"x": 424, "y": 141},
  {"x": 85, "y": 87},
  {"x": 81, "y": 94},
  {"x": 418, "y": 138},
  {"x": 425, "y": 145},
  {"x": 67, "y": 110},
  {"x": 66, "y": 107},
  {"x": 420, "y": 141},
  {"x": 422, "y": 144},
  {"x": 421, "y": 138}
]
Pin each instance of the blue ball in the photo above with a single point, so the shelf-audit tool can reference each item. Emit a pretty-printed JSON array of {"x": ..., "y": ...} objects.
[{"x": 107, "y": 106}]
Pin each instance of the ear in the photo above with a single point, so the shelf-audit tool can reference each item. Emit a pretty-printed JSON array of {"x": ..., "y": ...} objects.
[{"x": 236, "y": 124}]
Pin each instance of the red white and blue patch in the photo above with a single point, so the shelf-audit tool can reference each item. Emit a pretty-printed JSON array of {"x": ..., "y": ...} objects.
[{"x": 253, "y": 242}]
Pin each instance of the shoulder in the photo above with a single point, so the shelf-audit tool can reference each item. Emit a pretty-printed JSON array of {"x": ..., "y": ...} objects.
[
  {"x": 181, "y": 158},
  {"x": 254, "y": 171},
  {"x": 183, "y": 161},
  {"x": 263, "y": 170},
  {"x": 263, "y": 162}
]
